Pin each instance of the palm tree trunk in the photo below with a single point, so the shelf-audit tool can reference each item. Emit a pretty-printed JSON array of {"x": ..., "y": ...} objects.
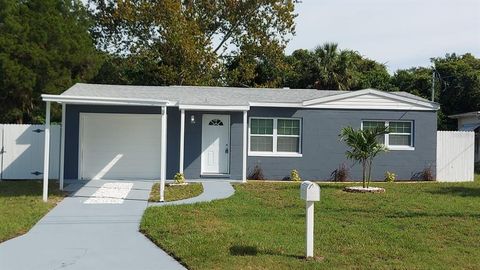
[
  {"x": 364, "y": 170},
  {"x": 370, "y": 165}
]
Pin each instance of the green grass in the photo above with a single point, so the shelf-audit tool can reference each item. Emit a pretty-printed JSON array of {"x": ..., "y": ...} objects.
[
  {"x": 411, "y": 226},
  {"x": 175, "y": 193},
  {"x": 21, "y": 206}
]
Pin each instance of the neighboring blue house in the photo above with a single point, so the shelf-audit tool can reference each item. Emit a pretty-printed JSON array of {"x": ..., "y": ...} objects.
[{"x": 151, "y": 132}]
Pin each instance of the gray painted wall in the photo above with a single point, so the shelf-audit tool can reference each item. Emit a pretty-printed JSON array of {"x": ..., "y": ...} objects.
[
  {"x": 322, "y": 151},
  {"x": 193, "y": 139},
  {"x": 193, "y": 143}
]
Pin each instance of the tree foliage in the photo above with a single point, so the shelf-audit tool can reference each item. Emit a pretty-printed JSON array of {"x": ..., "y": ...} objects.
[
  {"x": 328, "y": 67},
  {"x": 48, "y": 45},
  {"x": 183, "y": 42},
  {"x": 457, "y": 85},
  {"x": 45, "y": 47}
]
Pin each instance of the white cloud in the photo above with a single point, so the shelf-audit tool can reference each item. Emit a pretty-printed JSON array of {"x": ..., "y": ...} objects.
[{"x": 400, "y": 33}]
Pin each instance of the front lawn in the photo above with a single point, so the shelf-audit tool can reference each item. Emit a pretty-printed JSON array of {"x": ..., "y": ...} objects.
[
  {"x": 21, "y": 206},
  {"x": 175, "y": 193},
  {"x": 411, "y": 226}
]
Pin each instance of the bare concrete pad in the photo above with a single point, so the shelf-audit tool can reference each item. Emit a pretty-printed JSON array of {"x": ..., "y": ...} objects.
[{"x": 364, "y": 190}]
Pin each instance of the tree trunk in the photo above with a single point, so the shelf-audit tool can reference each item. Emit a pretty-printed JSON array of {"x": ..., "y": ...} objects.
[
  {"x": 370, "y": 162},
  {"x": 364, "y": 170}
]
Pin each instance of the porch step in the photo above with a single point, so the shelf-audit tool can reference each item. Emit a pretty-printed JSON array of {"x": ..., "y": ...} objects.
[{"x": 215, "y": 175}]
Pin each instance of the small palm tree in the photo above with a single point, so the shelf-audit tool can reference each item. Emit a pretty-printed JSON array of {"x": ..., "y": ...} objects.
[{"x": 364, "y": 147}]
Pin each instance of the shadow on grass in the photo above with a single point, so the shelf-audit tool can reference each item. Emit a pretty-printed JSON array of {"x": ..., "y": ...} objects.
[
  {"x": 440, "y": 215},
  {"x": 29, "y": 188},
  {"x": 458, "y": 191},
  {"x": 244, "y": 250}
]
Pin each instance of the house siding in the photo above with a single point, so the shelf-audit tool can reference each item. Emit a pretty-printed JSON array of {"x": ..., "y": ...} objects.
[
  {"x": 193, "y": 139},
  {"x": 322, "y": 152},
  {"x": 193, "y": 143}
]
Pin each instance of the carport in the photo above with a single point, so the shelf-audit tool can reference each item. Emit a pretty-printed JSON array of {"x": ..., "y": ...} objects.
[{"x": 93, "y": 121}]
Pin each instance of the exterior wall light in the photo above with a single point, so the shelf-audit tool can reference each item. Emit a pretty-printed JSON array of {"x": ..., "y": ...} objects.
[{"x": 192, "y": 119}]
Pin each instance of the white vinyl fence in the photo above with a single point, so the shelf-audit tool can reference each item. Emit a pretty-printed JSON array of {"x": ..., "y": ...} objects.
[
  {"x": 21, "y": 151},
  {"x": 455, "y": 156}
]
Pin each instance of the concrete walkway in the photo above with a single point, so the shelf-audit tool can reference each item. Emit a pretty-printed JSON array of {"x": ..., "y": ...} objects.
[
  {"x": 212, "y": 190},
  {"x": 76, "y": 235}
]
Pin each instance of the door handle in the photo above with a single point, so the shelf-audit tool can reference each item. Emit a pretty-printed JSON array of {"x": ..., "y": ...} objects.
[{"x": 226, "y": 149}]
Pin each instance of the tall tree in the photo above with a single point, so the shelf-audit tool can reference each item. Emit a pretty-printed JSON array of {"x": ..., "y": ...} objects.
[
  {"x": 328, "y": 67},
  {"x": 181, "y": 41},
  {"x": 45, "y": 47},
  {"x": 457, "y": 85},
  {"x": 368, "y": 73},
  {"x": 334, "y": 67}
]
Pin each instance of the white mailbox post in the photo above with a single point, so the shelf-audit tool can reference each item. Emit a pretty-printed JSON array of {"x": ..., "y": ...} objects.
[{"x": 310, "y": 192}]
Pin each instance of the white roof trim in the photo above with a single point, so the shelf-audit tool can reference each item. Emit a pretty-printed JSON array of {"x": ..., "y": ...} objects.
[
  {"x": 416, "y": 104},
  {"x": 462, "y": 115},
  {"x": 276, "y": 104},
  {"x": 105, "y": 100},
  {"x": 213, "y": 107}
]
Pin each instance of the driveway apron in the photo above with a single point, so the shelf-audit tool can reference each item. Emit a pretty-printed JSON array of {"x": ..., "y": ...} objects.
[{"x": 92, "y": 235}]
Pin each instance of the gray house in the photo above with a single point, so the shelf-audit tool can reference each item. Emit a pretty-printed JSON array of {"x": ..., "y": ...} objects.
[{"x": 151, "y": 132}]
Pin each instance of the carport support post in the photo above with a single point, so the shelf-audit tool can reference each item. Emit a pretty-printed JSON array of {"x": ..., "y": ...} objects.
[
  {"x": 244, "y": 155},
  {"x": 46, "y": 154},
  {"x": 163, "y": 154},
  {"x": 182, "y": 139},
  {"x": 62, "y": 148}
]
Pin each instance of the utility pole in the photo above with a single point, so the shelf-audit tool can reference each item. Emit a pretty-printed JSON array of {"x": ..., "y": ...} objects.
[{"x": 433, "y": 85}]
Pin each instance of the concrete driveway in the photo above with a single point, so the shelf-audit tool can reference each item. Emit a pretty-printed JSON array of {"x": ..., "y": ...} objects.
[{"x": 87, "y": 233}]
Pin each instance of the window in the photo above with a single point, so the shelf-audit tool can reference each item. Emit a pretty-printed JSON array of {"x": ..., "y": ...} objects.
[
  {"x": 275, "y": 136},
  {"x": 399, "y": 137},
  {"x": 216, "y": 122}
]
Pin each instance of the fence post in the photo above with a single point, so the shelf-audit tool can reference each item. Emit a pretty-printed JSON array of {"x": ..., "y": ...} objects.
[{"x": 46, "y": 155}]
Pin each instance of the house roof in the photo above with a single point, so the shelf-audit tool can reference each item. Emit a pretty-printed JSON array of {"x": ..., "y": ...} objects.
[
  {"x": 467, "y": 114},
  {"x": 189, "y": 96}
]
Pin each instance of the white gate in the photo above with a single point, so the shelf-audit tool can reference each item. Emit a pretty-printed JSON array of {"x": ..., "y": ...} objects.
[
  {"x": 455, "y": 156},
  {"x": 22, "y": 147}
]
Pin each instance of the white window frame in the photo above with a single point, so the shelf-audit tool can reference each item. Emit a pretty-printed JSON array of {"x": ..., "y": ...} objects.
[
  {"x": 275, "y": 136},
  {"x": 387, "y": 136}
]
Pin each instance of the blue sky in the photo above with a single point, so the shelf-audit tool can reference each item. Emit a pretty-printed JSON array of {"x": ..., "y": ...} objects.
[{"x": 398, "y": 33}]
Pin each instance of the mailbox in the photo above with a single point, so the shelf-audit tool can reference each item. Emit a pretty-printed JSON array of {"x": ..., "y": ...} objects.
[{"x": 309, "y": 191}]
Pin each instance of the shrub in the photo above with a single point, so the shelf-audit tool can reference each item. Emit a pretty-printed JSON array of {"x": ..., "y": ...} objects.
[
  {"x": 295, "y": 176},
  {"x": 425, "y": 175},
  {"x": 179, "y": 178},
  {"x": 256, "y": 173},
  {"x": 340, "y": 174},
  {"x": 390, "y": 177}
]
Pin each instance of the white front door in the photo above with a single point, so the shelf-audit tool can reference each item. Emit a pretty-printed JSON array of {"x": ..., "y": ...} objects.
[{"x": 215, "y": 143}]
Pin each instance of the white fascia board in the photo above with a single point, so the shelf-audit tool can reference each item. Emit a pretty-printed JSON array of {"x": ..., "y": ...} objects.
[
  {"x": 213, "y": 107},
  {"x": 105, "y": 100},
  {"x": 366, "y": 107},
  {"x": 462, "y": 115},
  {"x": 416, "y": 104},
  {"x": 273, "y": 104}
]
